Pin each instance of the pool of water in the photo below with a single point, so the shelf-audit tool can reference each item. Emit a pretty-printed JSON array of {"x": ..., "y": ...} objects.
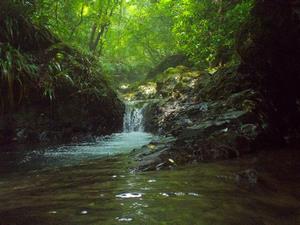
[
  {"x": 91, "y": 184},
  {"x": 24, "y": 158}
]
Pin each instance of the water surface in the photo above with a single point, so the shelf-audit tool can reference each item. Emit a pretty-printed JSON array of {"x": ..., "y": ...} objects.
[
  {"x": 24, "y": 158},
  {"x": 92, "y": 183},
  {"x": 106, "y": 192}
]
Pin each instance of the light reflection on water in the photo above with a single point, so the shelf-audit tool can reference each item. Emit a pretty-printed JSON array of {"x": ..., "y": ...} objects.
[
  {"x": 129, "y": 195},
  {"x": 105, "y": 192},
  {"x": 42, "y": 157},
  {"x": 89, "y": 194},
  {"x": 112, "y": 145}
]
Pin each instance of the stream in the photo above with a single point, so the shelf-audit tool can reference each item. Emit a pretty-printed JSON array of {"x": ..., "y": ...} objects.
[
  {"x": 93, "y": 183},
  {"x": 41, "y": 157}
]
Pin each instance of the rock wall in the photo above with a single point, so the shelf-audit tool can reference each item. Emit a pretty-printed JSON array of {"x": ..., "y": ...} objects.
[
  {"x": 236, "y": 110},
  {"x": 269, "y": 46},
  {"x": 206, "y": 117}
]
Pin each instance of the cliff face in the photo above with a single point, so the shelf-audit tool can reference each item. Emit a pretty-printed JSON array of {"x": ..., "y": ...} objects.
[
  {"x": 49, "y": 91},
  {"x": 236, "y": 110},
  {"x": 269, "y": 46}
]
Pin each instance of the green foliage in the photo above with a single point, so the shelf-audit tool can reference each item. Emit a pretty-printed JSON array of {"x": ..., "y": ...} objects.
[
  {"x": 81, "y": 23},
  {"x": 206, "y": 29},
  {"x": 66, "y": 67},
  {"x": 16, "y": 71},
  {"x": 128, "y": 37},
  {"x": 140, "y": 38},
  {"x": 123, "y": 39},
  {"x": 34, "y": 62}
]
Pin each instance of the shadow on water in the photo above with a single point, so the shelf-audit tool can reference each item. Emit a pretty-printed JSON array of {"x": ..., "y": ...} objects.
[{"x": 104, "y": 191}]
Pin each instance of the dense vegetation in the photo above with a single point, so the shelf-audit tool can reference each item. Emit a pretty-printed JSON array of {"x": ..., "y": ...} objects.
[
  {"x": 49, "y": 90},
  {"x": 53, "y": 52},
  {"x": 57, "y": 51},
  {"x": 128, "y": 38}
]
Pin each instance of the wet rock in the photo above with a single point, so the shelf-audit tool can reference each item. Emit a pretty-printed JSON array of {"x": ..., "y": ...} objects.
[
  {"x": 203, "y": 128},
  {"x": 241, "y": 108},
  {"x": 44, "y": 137},
  {"x": 247, "y": 177},
  {"x": 155, "y": 155},
  {"x": 198, "y": 107},
  {"x": 218, "y": 119},
  {"x": 250, "y": 130},
  {"x": 21, "y": 135},
  {"x": 170, "y": 61}
]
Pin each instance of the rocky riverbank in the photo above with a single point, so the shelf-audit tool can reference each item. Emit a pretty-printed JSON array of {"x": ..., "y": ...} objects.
[
  {"x": 205, "y": 117},
  {"x": 236, "y": 110}
]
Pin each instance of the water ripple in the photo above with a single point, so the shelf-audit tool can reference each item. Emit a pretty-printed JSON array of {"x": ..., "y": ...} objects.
[{"x": 129, "y": 195}]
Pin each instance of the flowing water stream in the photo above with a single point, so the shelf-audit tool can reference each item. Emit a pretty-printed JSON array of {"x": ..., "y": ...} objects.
[
  {"x": 133, "y": 118},
  {"x": 90, "y": 183},
  {"x": 32, "y": 158}
]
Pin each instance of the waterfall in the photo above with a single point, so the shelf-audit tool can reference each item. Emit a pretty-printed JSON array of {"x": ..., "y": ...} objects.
[{"x": 133, "y": 118}]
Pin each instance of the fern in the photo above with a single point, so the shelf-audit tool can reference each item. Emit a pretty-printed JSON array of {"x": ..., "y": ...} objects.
[{"x": 16, "y": 70}]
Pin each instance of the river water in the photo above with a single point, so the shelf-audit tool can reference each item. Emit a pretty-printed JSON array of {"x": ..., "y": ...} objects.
[
  {"x": 25, "y": 158},
  {"x": 91, "y": 183}
]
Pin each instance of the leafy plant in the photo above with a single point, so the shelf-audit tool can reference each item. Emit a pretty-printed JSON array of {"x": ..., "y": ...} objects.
[
  {"x": 16, "y": 72},
  {"x": 206, "y": 29}
]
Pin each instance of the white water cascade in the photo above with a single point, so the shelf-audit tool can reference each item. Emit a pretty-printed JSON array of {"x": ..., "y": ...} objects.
[
  {"x": 133, "y": 118},
  {"x": 132, "y": 137}
]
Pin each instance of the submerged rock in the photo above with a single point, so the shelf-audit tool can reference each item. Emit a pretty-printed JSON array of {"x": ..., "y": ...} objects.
[{"x": 248, "y": 177}]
